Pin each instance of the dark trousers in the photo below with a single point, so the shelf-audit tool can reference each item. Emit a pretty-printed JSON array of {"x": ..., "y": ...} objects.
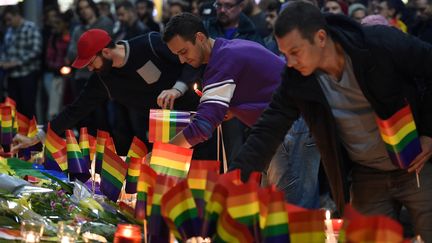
[
  {"x": 385, "y": 192},
  {"x": 23, "y": 90}
]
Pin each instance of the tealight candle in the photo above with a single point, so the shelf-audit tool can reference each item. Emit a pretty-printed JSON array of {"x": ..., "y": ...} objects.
[
  {"x": 30, "y": 237},
  {"x": 127, "y": 233}
]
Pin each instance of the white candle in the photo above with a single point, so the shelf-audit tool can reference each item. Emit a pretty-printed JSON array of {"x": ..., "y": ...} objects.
[
  {"x": 66, "y": 239},
  {"x": 30, "y": 237},
  {"x": 330, "y": 236}
]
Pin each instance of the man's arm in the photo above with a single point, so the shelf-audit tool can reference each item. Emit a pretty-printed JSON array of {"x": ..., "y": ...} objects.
[{"x": 266, "y": 134}]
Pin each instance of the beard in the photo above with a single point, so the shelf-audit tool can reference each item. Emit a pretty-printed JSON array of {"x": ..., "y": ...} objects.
[{"x": 106, "y": 66}]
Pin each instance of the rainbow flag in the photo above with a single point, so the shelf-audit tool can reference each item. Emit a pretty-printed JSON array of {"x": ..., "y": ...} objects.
[
  {"x": 307, "y": 226},
  {"x": 216, "y": 200},
  {"x": 23, "y": 124},
  {"x": 133, "y": 172},
  {"x": 171, "y": 160},
  {"x": 165, "y": 124},
  {"x": 276, "y": 219},
  {"x": 243, "y": 206},
  {"x": 110, "y": 144},
  {"x": 400, "y": 136},
  {"x": 146, "y": 180},
  {"x": 197, "y": 180},
  {"x": 137, "y": 149},
  {"x": 229, "y": 230},
  {"x": 113, "y": 174},
  {"x": 6, "y": 125},
  {"x": 32, "y": 130},
  {"x": 84, "y": 145},
  {"x": 157, "y": 228},
  {"x": 55, "y": 151},
  {"x": 361, "y": 228},
  {"x": 101, "y": 139},
  {"x": 178, "y": 205},
  {"x": 78, "y": 168}
]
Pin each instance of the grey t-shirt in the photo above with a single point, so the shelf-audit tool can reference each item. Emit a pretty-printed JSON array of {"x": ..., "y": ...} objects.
[{"x": 355, "y": 119}]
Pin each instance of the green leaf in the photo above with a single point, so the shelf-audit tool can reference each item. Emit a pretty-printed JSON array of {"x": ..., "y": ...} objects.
[{"x": 65, "y": 186}]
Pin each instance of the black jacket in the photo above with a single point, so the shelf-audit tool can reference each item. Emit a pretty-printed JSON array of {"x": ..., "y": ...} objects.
[
  {"x": 386, "y": 64},
  {"x": 159, "y": 68}
]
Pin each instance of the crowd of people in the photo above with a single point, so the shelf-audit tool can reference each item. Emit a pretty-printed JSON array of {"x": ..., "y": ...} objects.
[{"x": 296, "y": 87}]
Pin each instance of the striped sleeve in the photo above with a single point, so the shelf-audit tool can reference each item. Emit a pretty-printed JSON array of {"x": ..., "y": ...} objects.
[{"x": 213, "y": 106}]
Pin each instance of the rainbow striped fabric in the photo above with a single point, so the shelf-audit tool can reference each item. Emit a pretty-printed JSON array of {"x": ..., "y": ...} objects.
[
  {"x": 362, "y": 228},
  {"x": 276, "y": 218},
  {"x": 55, "y": 151},
  {"x": 400, "y": 136},
  {"x": 178, "y": 206},
  {"x": 77, "y": 166},
  {"x": 113, "y": 174},
  {"x": 32, "y": 130},
  {"x": 133, "y": 172},
  {"x": 84, "y": 145},
  {"x": 229, "y": 230},
  {"x": 23, "y": 124},
  {"x": 171, "y": 160},
  {"x": 165, "y": 124},
  {"x": 101, "y": 139},
  {"x": 146, "y": 181},
  {"x": 157, "y": 228},
  {"x": 6, "y": 123},
  {"x": 307, "y": 226},
  {"x": 137, "y": 149}
]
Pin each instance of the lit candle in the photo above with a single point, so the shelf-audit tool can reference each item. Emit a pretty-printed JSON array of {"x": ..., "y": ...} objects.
[
  {"x": 65, "y": 70},
  {"x": 30, "y": 237},
  {"x": 127, "y": 233},
  {"x": 197, "y": 91},
  {"x": 66, "y": 239},
  {"x": 330, "y": 236}
]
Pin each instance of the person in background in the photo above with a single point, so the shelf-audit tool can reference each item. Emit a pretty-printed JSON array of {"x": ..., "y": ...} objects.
[
  {"x": 145, "y": 10},
  {"x": 272, "y": 12},
  {"x": 55, "y": 55},
  {"x": 21, "y": 59},
  {"x": 131, "y": 26},
  {"x": 341, "y": 77},
  {"x": 391, "y": 10},
  {"x": 176, "y": 7},
  {"x": 257, "y": 16},
  {"x": 333, "y": 6},
  {"x": 357, "y": 11}
]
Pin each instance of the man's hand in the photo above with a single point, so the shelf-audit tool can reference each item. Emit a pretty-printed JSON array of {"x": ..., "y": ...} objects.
[
  {"x": 20, "y": 142},
  {"x": 424, "y": 156},
  {"x": 167, "y": 97}
]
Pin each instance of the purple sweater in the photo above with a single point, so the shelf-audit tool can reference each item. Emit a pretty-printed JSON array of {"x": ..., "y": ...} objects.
[{"x": 240, "y": 77}]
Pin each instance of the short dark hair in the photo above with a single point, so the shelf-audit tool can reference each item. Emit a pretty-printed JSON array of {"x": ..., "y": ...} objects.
[
  {"x": 127, "y": 5},
  {"x": 185, "y": 25},
  {"x": 274, "y": 5},
  {"x": 12, "y": 9},
  {"x": 304, "y": 17}
]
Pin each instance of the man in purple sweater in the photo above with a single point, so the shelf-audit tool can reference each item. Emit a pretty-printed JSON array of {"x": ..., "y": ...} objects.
[{"x": 239, "y": 80}]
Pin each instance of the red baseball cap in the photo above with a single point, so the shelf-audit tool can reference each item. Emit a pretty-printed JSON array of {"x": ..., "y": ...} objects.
[{"x": 89, "y": 44}]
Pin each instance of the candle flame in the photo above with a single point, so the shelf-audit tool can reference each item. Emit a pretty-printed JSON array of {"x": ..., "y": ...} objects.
[
  {"x": 327, "y": 214},
  {"x": 195, "y": 86},
  {"x": 65, "y": 70}
]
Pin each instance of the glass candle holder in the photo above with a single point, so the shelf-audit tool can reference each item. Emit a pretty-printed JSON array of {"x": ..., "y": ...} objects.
[
  {"x": 67, "y": 233},
  {"x": 31, "y": 231},
  {"x": 128, "y": 233}
]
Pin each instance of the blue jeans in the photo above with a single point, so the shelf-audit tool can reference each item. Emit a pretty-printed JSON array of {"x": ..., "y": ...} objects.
[{"x": 294, "y": 168}]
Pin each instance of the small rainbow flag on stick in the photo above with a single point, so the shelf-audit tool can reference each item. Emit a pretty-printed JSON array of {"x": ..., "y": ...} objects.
[
  {"x": 133, "y": 173},
  {"x": 113, "y": 174},
  {"x": 84, "y": 145},
  {"x": 23, "y": 124},
  {"x": 165, "y": 124},
  {"x": 307, "y": 226},
  {"x": 55, "y": 151},
  {"x": 77, "y": 166},
  {"x": 178, "y": 206},
  {"x": 6, "y": 125},
  {"x": 101, "y": 139},
  {"x": 229, "y": 230},
  {"x": 171, "y": 160},
  {"x": 146, "y": 180},
  {"x": 400, "y": 136},
  {"x": 276, "y": 222},
  {"x": 137, "y": 149},
  {"x": 32, "y": 130}
]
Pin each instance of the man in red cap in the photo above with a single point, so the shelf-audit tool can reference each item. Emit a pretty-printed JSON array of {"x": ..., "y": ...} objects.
[{"x": 134, "y": 73}]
